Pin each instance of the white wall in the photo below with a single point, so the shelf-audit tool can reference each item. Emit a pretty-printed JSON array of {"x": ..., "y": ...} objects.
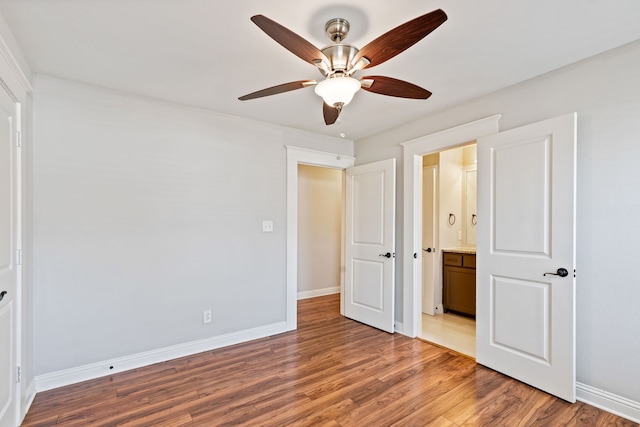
[
  {"x": 450, "y": 195},
  {"x": 146, "y": 214},
  {"x": 605, "y": 92},
  {"x": 319, "y": 230}
]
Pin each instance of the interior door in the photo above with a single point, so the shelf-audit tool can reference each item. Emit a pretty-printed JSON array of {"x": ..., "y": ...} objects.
[
  {"x": 526, "y": 243},
  {"x": 370, "y": 244},
  {"x": 428, "y": 239},
  {"x": 8, "y": 277}
]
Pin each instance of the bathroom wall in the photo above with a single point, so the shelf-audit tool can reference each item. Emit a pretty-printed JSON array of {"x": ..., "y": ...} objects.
[{"x": 450, "y": 176}]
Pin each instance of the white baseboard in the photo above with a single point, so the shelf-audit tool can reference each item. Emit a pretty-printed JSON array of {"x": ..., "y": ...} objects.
[
  {"x": 27, "y": 399},
  {"x": 319, "y": 292},
  {"x": 610, "y": 402},
  {"x": 120, "y": 364}
]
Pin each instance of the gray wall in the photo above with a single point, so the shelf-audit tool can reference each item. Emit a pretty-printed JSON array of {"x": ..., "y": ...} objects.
[
  {"x": 605, "y": 92},
  {"x": 147, "y": 213}
]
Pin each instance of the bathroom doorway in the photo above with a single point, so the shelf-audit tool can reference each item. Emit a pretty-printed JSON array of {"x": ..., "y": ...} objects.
[{"x": 448, "y": 227}]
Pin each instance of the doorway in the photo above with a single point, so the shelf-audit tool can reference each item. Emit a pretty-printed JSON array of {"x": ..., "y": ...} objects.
[
  {"x": 448, "y": 236},
  {"x": 320, "y": 212},
  {"x": 295, "y": 157},
  {"x": 413, "y": 155}
]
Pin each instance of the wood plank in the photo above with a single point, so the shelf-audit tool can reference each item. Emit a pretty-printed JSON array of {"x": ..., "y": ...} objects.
[{"x": 330, "y": 372}]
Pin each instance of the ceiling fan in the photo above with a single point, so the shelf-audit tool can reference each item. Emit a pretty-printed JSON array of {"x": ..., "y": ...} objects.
[{"x": 339, "y": 61}]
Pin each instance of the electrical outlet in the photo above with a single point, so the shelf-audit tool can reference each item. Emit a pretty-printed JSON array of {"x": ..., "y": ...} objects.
[
  {"x": 206, "y": 316},
  {"x": 267, "y": 226}
]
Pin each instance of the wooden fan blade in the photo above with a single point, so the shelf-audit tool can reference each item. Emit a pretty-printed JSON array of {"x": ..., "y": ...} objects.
[
  {"x": 286, "y": 87},
  {"x": 400, "y": 38},
  {"x": 290, "y": 40},
  {"x": 330, "y": 113},
  {"x": 394, "y": 87}
]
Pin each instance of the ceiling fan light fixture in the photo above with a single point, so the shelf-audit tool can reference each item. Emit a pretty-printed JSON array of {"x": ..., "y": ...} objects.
[{"x": 337, "y": 90}]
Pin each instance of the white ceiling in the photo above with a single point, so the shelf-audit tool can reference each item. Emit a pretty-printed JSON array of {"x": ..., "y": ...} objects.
[{"x": 206, "y": 53}]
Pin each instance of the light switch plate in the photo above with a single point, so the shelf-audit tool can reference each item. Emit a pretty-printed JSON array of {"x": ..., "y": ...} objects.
[{"x": 267, "y": 226}]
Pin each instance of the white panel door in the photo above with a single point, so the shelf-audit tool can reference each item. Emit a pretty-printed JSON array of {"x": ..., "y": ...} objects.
[
  {"x": 8, "y": 277},
  {"x": 429, "y": 263},
  {"x": 370, "y": 244},
  {"x": 526, "y": 230}
]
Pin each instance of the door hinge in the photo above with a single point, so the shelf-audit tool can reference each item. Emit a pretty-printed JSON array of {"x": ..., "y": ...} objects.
[
  {"x": 18, "y": 139},
  {"x": 18, "y": 374},
  {"x": 19, "y": 257}
]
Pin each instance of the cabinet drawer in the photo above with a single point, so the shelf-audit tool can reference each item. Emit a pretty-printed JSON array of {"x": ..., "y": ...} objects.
[
  {"x": 452, "y": 259},
  {"x": 469, "y": 261}
]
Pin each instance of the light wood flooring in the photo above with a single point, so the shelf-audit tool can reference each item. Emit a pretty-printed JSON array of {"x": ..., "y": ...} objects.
[
  {"x": 330, "y": 372},
  {"x": 451, "y": 331}
]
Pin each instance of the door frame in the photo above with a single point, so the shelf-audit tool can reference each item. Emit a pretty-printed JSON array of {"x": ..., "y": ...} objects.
[
  {"x": 296, "y": 156},
  {"x": 414, "y": 150}
]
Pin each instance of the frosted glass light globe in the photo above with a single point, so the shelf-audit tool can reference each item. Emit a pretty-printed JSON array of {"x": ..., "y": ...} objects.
[{"x": 337, "y": 91}]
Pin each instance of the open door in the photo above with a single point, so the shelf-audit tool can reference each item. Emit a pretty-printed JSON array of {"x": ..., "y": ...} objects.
[
  {"x": 9, "y": 217},
  {"x": 526, "y": 254},
  {"x": 370, "y": 244},
  {"x": 429, "y": 256}
]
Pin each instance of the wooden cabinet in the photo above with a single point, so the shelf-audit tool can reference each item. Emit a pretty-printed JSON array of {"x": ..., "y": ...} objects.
[{"x": 459, "y": 283}]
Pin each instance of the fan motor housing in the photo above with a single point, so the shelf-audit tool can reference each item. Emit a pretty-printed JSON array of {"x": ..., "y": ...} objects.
[{"x": 340, "y": 56}]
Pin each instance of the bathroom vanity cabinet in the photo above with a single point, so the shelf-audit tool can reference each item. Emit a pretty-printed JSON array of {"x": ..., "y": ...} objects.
[{"x": 459, "y": 282}]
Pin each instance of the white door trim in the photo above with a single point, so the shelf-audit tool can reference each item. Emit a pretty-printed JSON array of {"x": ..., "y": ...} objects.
[
  {"x": 296, "y": 156},
  {"x": 413, "y": 152}
]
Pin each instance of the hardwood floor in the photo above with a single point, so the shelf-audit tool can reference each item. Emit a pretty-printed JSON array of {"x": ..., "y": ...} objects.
[{"x": 330, "y": 372}]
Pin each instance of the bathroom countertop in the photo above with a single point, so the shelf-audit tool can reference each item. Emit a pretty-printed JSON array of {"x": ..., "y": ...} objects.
[{"x": 461, "y": 250}]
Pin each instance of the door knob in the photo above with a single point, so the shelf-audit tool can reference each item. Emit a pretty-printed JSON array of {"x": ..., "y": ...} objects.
[
  {"x": 387, "y": 255},
  {"x": 427, "y": 250},
  {"x": 562, "y": 272},
  {"x": 2, "y": 294}
]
